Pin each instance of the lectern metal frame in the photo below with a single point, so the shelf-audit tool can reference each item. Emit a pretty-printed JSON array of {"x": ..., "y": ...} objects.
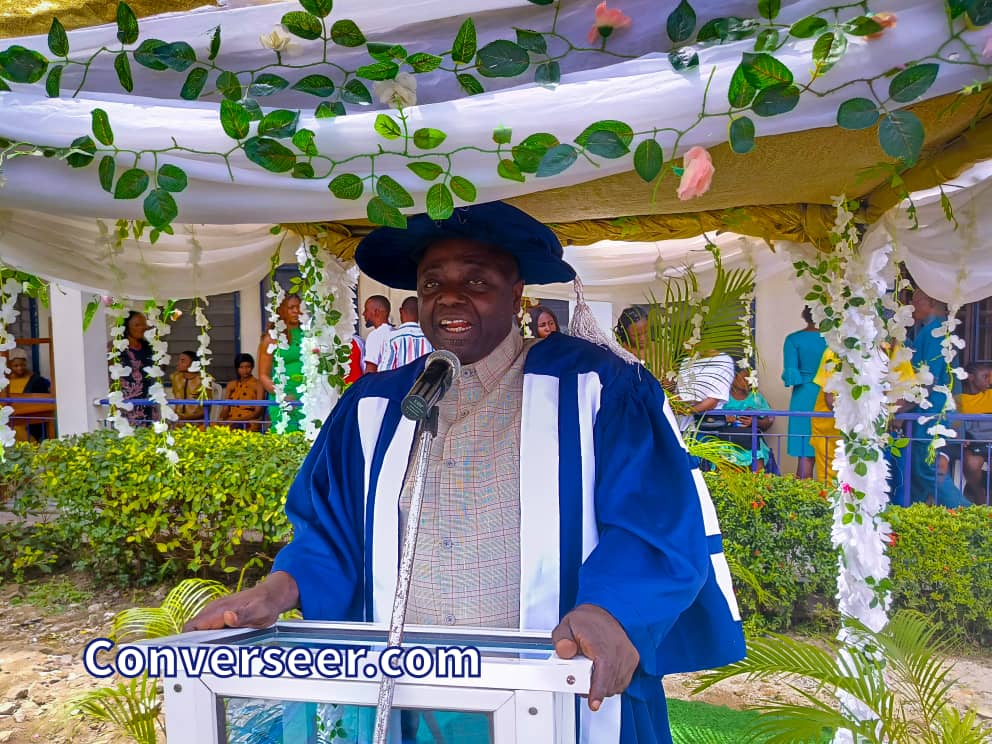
[{"x": 528, "y": 691}]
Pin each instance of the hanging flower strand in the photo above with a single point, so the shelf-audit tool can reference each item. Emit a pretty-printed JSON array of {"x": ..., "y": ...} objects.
[
  {"x": 158, "y": 329},
  {"x": 9, "y": 290},
  {"x": 279, "y": 340},
  {"x": 202, "y": 363},
  {"x": 117, "y": 313}
]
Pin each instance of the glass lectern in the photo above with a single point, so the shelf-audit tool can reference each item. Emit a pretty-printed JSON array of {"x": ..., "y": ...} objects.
[{"x": 522, "y": 693}]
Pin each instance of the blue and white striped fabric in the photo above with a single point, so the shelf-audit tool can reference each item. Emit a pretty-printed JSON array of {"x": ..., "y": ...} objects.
[
  {"x": 601, "y": 458},
  {"x": 406, "y": 344}
]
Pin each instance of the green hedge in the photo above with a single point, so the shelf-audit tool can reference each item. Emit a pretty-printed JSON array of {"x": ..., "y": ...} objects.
[
  {"x": 115, "y": 508},
  {"x": 121, "y": 512}
]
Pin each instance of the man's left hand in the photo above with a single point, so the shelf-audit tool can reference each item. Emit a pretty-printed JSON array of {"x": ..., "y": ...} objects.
[{"x": 593, "y": 632}]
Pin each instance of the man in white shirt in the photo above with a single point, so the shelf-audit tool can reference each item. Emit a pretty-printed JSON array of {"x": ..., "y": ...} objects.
[
  {"x": 704, "y": 384},
  {"x": 376, "y": 315},
  {"x": 408, "y": 341}
]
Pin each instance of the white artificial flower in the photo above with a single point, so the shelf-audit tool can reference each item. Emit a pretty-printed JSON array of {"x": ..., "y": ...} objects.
[
  {"x": 116, "y": 398},
  {"x": 160, "y": 427},
  {"x": 401, "y": 92},
  {"x": 117, "y": 371},
  {"x": 194, "y": 367},
  {"x": 277, "y": 39}
]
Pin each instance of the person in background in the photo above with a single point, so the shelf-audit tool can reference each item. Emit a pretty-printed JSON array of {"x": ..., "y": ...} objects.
[
  {"x": 187, "y": 385},
  {"x": 703, "y": 383},
  {"x": 801, "y": 355},
  {"x": 925, "y": 485},
  {"x": 976, "y": 398},
  {"x": 376, "y": 315},
  {"x": 738, "y": 428},
  {"x": 292, "y": 362},
  {"x": 632, "y": 331},
  {"x": 543, "y": 322},
  {"x": 245, "y": 387},
  {"x": 137, "y": 355},
  {"x": 408, "y": 341},
  {"x": 22, "y": 381},
  {"x": 356, "y": 359}
]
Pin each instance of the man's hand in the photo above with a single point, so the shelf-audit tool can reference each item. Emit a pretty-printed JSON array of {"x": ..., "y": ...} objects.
[
  {"x": 594, "y": 633},
  {"x": 258, "y": 607}
]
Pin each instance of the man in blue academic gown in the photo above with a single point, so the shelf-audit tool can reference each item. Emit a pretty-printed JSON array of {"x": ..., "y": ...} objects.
[{"x": 559, "y": 496}]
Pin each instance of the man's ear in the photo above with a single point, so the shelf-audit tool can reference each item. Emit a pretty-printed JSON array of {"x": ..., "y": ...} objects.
[{"x": 518, "y": 294}]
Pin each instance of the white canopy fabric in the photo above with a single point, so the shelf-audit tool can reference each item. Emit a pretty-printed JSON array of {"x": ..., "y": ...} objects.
[
  {"x": 951, "y": 262},
  {"x": 644, "y": 91}
]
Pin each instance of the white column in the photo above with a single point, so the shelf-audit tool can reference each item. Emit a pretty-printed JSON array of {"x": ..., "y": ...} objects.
[{"x": 80, "y": 361}]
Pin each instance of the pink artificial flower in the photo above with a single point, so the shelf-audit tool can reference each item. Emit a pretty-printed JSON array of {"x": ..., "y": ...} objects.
[
  {"x": 697, "y": 173},
  {"x": 886, "y": 21},
  {"x": 607, "y": 20},
  {"x": 106, "y": 300}
]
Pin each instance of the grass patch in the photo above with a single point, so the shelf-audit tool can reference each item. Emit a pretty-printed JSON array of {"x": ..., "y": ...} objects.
[
  {"x": 54, "y": 595},
  {"x": 702, "y": 723}
]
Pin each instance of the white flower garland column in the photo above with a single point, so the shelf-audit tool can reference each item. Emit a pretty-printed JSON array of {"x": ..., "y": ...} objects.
[
  {"x": 9, "y": 290},
  {"x": 203, "y": 353},
  {"x": 846, "y": 291},
  {"x": 280, "y": 340},
  {"x": 117, "y": 312},
  {"x": 158, "y": 329},
  {"x": 327, "y": 285}
]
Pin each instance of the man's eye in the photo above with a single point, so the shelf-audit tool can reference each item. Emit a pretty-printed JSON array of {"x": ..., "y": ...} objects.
[
  {"x": 477, "y": 282},
  {"x": 429, "y": 284}
]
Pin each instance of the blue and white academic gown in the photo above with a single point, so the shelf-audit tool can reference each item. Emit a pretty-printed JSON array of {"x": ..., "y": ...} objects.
[{"x": 601, "y": 458}]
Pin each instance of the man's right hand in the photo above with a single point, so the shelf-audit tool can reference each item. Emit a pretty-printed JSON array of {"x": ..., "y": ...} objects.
[{"x": 258, "y": 607}]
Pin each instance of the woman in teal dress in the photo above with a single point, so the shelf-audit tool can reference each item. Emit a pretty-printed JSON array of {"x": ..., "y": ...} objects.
[
  {"x": 738, "y": 429},
  {"x": 801, "y": 356},
  {"x": 292, "y": 360}
]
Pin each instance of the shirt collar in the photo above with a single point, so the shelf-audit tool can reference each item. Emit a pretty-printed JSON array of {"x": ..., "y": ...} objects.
[{"x": 491, "y": 368}]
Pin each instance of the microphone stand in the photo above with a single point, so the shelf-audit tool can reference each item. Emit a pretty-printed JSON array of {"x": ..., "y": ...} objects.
[{"x": 413, "y": 483}]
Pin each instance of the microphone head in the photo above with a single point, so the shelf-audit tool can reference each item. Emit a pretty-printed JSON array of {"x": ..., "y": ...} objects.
[{"x": 448, "y": 357}]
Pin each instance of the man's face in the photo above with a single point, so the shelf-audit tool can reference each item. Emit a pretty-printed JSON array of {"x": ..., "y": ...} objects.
[
  {"x": 369, "y": 314},
  {"x": 469, "y": 295},
  {"x": 922, "y": 305}
]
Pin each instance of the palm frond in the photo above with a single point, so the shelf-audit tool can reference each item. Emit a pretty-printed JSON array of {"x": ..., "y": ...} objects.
[
  {"x": 133, "y": 707},
  {"x": 717, "y": 451},
  {"x": 962, "y": 729},
  {"x": 137, "y": 623},
  {"x": 743, "y": 575},
  {"x": 190, "y": 596}
]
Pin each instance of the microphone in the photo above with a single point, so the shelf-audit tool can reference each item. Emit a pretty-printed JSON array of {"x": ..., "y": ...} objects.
[{"x": 431, "y": 385}]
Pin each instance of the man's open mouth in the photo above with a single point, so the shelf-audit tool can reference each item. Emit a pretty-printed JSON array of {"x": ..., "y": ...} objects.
[{"x": 455, "y": 325}]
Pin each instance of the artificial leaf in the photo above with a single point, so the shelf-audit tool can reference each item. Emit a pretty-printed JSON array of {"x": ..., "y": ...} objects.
[
  {"x": 502, "y": 135},
  {"x": 778, "y": 99},
  {"x": 193, "y": 86},
  {"x": 280, "y": 123},
  {"x": 769, "y": 8},
  {"x": 528, "y": 154},
  {"x": 378, "y": 71},
  {"x": 857, "y": 113},
  {"x": 84, "y": 158},
  {"x": 229, "y": 86},
  {"x": 53, "y": 82},
  {"x": 606, "y": 144},
  {"x": 270, "y": 154},
  {"x": 127, "y": 24},
  {"x": 355, "y": 91},
  {"x": 422, "y": 62},
  {"x": 177, "y": 56},
  {"x": 315, "y": 85},
  {"x": 620, "y": 128},
  {"x": 347, "y": 34},
  {"x": 172, "y": 178},
  {"x": 683, "y": 59},
  {"x": 863, "y": 26},
  {"x": 767, "y": 41},
  {"x": 305, "y": 25},
  {"x": 913, "y": 82},
  {"x": 502, "y": 58},
  {"x": 681, "y": 22},
  {"x": 425, "y": 170},
  {"x": 980, "y": 12},
  {"x": 303, "y": 140},
  {"x": 321, "y": 8},
  {"x": 742, "y": 135},
  {"x": 267, "y": 84},
  {"x": 808, "y": 27},
  {"x": 648, "y": 159},
  {"x": 392, "y": 192},
  {"x": 21, "y": 65},
  {"x": 160, "y": 208},
  {"x": 108, "y": 167},
  {"x": 101, "y": 127},
  {"x": 901, "y": 135},
  {"x": 548, "y": 74},
  {"x": 556, "y": 160},
  {"x": 58, "y": 40},
  {"x": 740, "y": 93},
  {"x": 327, "y": 110},
  {"x": 388, "y": 127},
  {"x": 463, "y": 188},
  {"x": 509, "y": 170},
  {"x": 440, "y": 204},
  {"x": 346, "y": 186},
  {"x": 214, "y": 45},
  {"x": 303, "y": 170},
  {"x": 727, "y": 29},
  {"x": 234, "y": 118},
  {"x": 762, "y": 70},
  {"x": 132, "y": 184},
  {"x": 464, "y": 47},
  {"x": 253, "y": 109},
  {"x": 828, "y": 50},
  {"x": 381, "y": 213},
  {"x": 428, "y": 138},
  {"x": 144, "y": 55},
  {"x": 122, "y": 66},
  {"x": 470, "y": 84},
  {"x": 532, "y": 41}
]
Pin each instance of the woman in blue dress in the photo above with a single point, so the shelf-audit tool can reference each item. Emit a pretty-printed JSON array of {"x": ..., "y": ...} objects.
[{"x": 801, "y": 358}]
